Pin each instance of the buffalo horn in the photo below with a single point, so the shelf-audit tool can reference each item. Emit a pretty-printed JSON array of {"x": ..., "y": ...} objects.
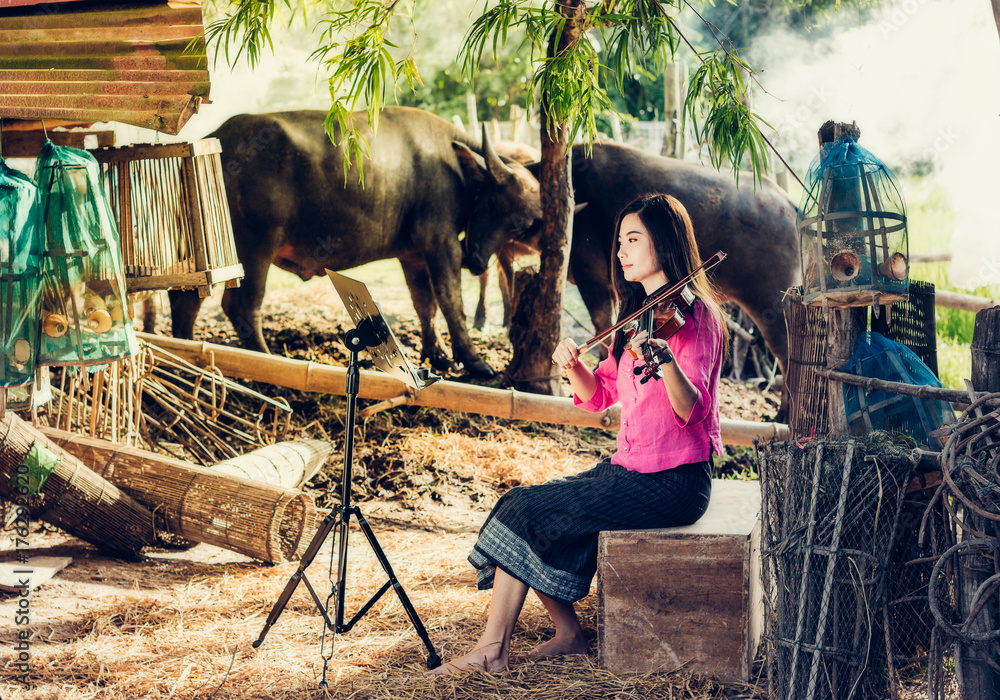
[{"x": 496, "y": 167}]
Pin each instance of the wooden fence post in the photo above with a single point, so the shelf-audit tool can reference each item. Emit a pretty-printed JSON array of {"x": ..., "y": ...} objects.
[{"x": 976, "y": 678}]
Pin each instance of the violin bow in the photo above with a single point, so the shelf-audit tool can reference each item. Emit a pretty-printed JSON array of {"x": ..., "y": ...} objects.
[{"x": 654, "y": 301}]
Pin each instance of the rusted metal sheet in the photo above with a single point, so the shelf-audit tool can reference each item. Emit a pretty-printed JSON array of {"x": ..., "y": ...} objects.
[{"x": 139, "y": 63}]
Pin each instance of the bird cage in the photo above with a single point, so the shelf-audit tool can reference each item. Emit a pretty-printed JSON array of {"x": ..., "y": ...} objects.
[
  {"x": 170, "y": 204},
  {"x": 83, "y": 319},
  {"x": 852, "y": 227},
  {"x": 20, "y": 263}
]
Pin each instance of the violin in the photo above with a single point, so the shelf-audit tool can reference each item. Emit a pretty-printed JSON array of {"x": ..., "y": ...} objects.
[
  {"x": 664, "y": 316},
  {"x": 660, "y": 322}
]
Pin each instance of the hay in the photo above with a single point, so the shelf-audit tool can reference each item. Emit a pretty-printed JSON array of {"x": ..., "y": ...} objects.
[{"x": 178, "y": 641}]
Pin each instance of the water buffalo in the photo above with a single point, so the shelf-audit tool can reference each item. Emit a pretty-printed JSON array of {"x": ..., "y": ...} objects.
[
  {"x": 755, "y": 227},
  {"x": 291, "y": 206}
]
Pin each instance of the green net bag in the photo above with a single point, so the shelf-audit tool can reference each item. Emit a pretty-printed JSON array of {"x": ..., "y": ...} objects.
[
  {"x": 84, "y": 317},
  {"x": 20, "y": 265}
]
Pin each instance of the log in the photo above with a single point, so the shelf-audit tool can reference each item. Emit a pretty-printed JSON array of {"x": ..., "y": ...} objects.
[
  {"x": 967, "y": 302},
  {"x": 501, "y": 403},
  {"x": 255, "y": 519},
  {"x": 842, "y": 329},
  {"x": 986, "y": 351},
  {"x": 930, "y": 257}
]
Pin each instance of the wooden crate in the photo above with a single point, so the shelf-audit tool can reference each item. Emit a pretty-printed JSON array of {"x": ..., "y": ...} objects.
[{"x": 686, "y": 597}]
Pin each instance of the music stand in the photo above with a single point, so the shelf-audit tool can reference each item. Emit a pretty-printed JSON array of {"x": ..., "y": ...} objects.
[{"x": 371, "y": 333}]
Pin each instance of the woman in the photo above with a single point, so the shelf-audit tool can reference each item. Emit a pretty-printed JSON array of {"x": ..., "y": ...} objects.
[{"x": 545, "y": 537}]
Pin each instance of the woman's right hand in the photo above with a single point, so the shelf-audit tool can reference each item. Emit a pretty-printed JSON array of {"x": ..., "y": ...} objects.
[{"x": 566, "y": 354}]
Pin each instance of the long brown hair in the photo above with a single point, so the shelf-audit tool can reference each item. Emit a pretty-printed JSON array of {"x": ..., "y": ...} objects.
[{"x": 672, "y": 234}]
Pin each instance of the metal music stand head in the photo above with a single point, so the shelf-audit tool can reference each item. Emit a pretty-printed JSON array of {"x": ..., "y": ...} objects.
[{"x": 368, "y": 320}]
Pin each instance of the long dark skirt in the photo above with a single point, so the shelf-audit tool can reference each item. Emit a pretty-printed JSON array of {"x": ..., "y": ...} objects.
[{"x": 546, "y": 535}]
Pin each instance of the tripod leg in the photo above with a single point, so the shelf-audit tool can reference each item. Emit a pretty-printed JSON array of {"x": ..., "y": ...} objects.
[
  {"x": 433, "y": 660},
  {"x": 279, "y": 605}
]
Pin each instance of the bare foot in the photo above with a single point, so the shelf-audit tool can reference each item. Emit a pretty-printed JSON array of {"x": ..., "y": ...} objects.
[
  {"x": 558, "y": 646},
  {"x": 489, "y": 657}
]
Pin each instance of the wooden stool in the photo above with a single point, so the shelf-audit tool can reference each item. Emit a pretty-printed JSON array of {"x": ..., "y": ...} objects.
[{"x": 685, "y": 596}]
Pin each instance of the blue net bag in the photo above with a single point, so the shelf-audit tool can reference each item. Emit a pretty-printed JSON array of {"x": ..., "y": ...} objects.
[
  {"x": 878, "y": 357},
  {"x": 20, "y": 266},
  {"x": 84, "y": 316}
]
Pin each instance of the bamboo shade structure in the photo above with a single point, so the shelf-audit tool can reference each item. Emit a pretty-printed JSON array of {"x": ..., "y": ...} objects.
[
  {"x": 170, "y": 204},
  {"x": 72, "y": 497},
  {"x": 258, "y": 520},
  {"x": 502, "y": 403}
]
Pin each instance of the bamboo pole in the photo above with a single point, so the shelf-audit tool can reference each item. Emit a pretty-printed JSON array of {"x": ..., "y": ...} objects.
[
  {"x": 954, "y": 396},
  {"x": 500, "y": 403},
  {"x": 966, "y": 302}
]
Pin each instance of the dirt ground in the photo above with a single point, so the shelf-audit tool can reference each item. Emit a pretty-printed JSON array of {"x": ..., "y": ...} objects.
[{"x": 180, "y": 623}]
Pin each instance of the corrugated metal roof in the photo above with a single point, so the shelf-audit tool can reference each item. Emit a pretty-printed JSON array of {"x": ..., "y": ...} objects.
[{"x": 103, "y": 62}]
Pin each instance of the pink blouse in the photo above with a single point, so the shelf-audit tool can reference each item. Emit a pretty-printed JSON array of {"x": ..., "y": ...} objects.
[{"x": 652, "y": 437}]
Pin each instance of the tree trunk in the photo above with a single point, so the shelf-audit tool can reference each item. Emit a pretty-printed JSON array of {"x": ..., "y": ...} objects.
[{"x": 536, "y": 327}]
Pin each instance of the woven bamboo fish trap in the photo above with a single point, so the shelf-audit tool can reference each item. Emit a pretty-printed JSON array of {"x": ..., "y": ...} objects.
[
  {"x": 288, "y": 464},
  {"x": 58, "y": 488},
  {"x": 806, "y": 351},
  {"x": 259, "y": 520},
  {"x": 170, "y": 204}
]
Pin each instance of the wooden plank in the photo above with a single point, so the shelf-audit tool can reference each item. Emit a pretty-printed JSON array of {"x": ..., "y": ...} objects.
[
  {"x": 129, "y": 62},
  {"x": 146, "y": 76},
  {"x": 668, "y": 602},
  {"x": 151, "y": 32},
  {"x": 27, "y": 144},
  {"x": 184, "y": 280},
  {"x": 101, "y": 87},
  {"x": 100, "y": 46},
  {"x": 35, "y": 571},
  {"x": 856, "y": 297},
  {"x": 194, "y": 214},
  {"x": 167, "y": 121},
  {"x": 123, "y": 16},
  {"x": 145, "y": 151}
]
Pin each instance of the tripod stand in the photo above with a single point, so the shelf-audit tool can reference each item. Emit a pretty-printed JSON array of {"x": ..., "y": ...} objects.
[{"x": 371, "y": 331}]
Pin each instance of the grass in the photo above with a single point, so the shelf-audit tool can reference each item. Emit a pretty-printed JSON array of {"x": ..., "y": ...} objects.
[{"x": 930, "y": 223}]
